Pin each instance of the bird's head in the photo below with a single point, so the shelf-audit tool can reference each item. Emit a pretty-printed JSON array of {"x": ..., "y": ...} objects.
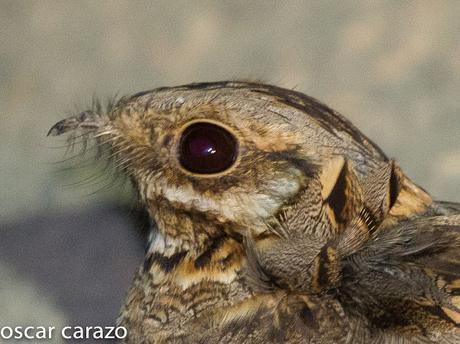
[{"x": 225, "y": 157}]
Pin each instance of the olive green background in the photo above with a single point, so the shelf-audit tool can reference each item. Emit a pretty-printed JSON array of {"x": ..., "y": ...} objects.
[{"x": 392, "y": 67}]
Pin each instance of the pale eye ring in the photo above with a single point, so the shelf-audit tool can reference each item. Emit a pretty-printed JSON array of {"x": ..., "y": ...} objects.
[{"x": 207, "y": 148}]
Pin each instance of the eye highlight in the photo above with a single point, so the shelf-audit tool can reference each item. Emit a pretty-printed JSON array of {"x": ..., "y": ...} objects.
[{"x": 206, "y": 148}]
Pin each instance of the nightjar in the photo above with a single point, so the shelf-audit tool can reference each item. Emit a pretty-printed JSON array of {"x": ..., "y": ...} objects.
[{"x": 273, "y": 219}]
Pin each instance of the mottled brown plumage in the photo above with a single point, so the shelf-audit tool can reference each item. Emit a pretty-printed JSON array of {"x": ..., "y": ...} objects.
[{"x": 309, "y": 235}]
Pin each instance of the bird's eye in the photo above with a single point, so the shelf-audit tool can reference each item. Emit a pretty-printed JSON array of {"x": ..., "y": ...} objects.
[{"x": 206, "y": 148}]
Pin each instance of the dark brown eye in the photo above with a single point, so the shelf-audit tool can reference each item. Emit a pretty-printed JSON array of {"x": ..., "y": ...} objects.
[{"x": 207, "y": 148}]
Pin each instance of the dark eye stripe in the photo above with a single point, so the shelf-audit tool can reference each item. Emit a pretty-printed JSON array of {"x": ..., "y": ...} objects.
[{"x": 206, "y": 148}]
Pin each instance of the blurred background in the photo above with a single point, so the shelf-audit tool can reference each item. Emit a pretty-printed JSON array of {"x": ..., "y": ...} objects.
[{"x": 67, "y": 249}]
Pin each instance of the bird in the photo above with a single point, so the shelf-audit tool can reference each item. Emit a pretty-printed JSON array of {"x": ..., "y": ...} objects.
[{"x": 274, "y": 219}]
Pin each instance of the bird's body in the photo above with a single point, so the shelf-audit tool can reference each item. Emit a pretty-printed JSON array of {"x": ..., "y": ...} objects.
[{"x": 268, "y": 243}]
